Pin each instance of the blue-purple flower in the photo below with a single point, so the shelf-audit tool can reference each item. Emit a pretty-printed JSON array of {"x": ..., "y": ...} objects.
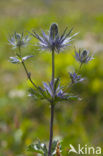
[
  {"x": 75, "y": 78},
  {"x": 18, "y": 40},
  {"x": 57, "y": 94},
  {"x": 50, "y": 92},
  {"x": 55, "y": 90},
  {"x": 83, "y": 56},
  {"x": 53, "y": 41}
]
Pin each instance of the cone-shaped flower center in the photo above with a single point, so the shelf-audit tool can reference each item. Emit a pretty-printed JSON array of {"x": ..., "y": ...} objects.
[
  {"x": 53, "y": 31},
  {"x": 84, "y": 53}
]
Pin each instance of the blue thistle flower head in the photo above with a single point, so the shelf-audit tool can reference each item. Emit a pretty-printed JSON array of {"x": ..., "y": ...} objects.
[
  {"x": 53, "y": 41},
  {"x": 18, "y": 40},
  {"x": 51, "y": 92},
  {"x": 75, "y": 78},
  {"x": 57, "y": 91},
  {"x": 83, "y": 56}
]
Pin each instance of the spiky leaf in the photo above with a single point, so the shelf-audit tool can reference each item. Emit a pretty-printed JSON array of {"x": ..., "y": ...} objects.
[
  {"x": 14, "y": 60},
  {"x": 26, "y": 57}
]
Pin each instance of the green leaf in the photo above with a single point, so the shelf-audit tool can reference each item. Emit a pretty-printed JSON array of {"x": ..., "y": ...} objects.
[
  {"x": 42, "y": 92},
  {"x": 35, "y": 93},
  {"x": 73, "y": 98},
  {"x": 38, "y": 148},
  {"x": 38, "y": 93},
  {"x": 34, "y": 148},
  {"x": 65, "y": 98}
]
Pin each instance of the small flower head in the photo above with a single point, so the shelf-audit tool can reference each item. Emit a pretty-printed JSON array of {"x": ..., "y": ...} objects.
[
  {"x": 83, "y": 56},
  {"x": 75, "y": 78},
  {"x": 57, "y": 91},
  {"x": 53, "y": 41},
  {"x": 18, "y": 40},
  {"x": 52, "y": 93}
]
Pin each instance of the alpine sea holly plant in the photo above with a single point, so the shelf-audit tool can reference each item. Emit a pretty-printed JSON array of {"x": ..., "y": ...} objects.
[{"x": 53, "y": 92}]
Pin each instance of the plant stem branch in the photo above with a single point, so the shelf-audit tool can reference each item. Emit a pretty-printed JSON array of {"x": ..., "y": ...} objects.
[{"x": 28, "y": 75}]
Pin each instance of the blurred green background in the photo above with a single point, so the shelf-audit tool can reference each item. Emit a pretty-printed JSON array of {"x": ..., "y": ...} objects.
[{"x": 23, "y": 120}]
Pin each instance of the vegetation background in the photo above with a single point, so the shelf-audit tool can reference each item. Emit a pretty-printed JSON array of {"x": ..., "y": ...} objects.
[{"x": 23, "y": 120}]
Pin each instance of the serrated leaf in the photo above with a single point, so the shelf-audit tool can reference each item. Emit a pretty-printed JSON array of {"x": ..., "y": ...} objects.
[
  {"x": 38, "y": 93},
  {"x": 65, "y": 97},
  {"x": 42, "y": 92},
  {"x": 35, "y": 93},
  {"x": 14, "y": 60},
  {"x": 26, "y": 57},
  {"x": 34, "y": 148},
  {"x": 38, "y": 148}
]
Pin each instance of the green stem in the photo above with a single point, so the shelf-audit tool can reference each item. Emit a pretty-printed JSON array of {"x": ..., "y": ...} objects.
[{"x": 52, "y": 108}]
